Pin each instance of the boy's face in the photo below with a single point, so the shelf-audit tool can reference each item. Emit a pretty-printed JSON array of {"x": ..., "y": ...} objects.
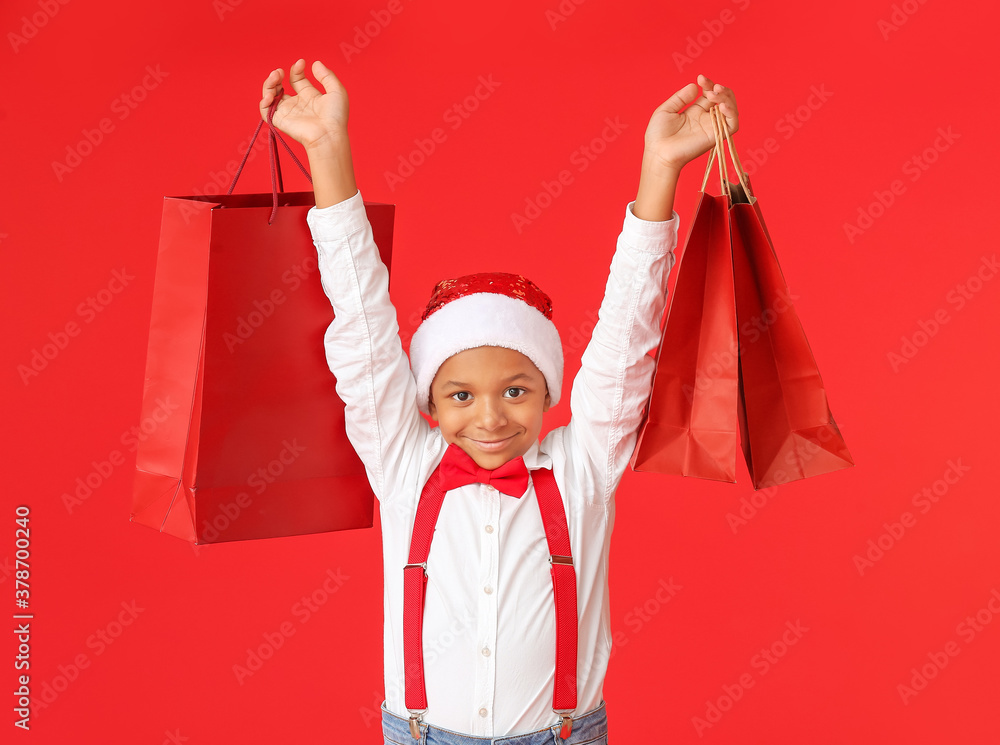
[{"x": 489, "y": 401}]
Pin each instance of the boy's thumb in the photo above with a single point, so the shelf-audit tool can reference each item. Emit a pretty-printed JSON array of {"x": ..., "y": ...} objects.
[{"x": 326, "y": 76}]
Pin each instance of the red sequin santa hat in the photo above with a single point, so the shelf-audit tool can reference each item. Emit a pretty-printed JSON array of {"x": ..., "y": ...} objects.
[{"x": 489, "y": 309}]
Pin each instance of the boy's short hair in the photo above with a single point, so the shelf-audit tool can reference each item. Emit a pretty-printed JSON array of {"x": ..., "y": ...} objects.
[{"x": 488, "y": 309}]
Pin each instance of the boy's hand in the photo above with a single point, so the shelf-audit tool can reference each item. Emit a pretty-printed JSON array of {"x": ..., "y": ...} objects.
[
  {"x": 675, "y": 137},
  {"x": 317, "y": 120}
]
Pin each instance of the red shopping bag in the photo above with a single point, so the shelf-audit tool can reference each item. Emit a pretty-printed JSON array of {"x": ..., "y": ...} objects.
[
  {"x": 690, "y": 427},
  {"x": 243, "y": 431},
  {"x": 788, "y": 431}
]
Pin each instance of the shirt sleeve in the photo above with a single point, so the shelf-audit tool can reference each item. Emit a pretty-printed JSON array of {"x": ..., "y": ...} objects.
[
  {"x": 363, "y": 348},
  {"x": 613, "y": 384}
]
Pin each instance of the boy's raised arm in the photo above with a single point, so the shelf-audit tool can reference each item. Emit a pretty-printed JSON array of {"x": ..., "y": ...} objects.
[
  {"x": 616, "y": 371},
  {"x": 362, "y": 343}
]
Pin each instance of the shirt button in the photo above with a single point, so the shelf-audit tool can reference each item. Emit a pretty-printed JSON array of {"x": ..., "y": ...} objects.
[
  {"x": 489, "y": 528},
  {"x": 486, "y": 651},
  {"x": 488, "y": 590},
  {"x": 490, "y": 488},
  {"x": 483, "y": 712}
]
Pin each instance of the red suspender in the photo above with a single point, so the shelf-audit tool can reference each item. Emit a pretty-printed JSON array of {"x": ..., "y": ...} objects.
[
  {"x": 414, "y": 587},
  {"x": 563, "y": 586}
]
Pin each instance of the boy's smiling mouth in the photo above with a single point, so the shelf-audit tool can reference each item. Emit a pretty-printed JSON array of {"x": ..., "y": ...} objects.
[{"x": 492, "y": 444}]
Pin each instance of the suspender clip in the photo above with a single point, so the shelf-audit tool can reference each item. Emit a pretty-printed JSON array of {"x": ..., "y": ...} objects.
[
  {"x": 553, "y": 559},
  {"x": 567, "y": 723},
  {"x": 415, "y": 717}
]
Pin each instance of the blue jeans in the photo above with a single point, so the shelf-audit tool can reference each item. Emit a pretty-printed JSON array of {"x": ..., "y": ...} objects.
[{"x": 589, "y": 729}]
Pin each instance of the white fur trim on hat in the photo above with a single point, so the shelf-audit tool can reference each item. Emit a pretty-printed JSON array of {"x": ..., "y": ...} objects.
[{"x": 485, "y": 319}]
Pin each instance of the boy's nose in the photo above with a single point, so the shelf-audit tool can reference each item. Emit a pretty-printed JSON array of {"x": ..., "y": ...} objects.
[{"x": 491, "y": 415}]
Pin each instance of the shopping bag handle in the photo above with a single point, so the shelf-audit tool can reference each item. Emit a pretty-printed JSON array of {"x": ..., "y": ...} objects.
[
  {"x": 723, "y": 138},
  {"x": 273, "y": 136}
]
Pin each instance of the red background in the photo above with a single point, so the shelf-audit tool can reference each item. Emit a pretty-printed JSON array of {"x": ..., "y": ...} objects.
[{"x": 169, "y": 674}]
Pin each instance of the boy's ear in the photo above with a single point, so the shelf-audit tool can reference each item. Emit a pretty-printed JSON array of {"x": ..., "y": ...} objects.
[
  {"x": 548, "y": 402},
  {"x": 431, "y": 408}
]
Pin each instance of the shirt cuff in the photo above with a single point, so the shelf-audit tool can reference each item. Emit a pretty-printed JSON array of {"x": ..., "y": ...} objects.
[
  {"x": 338, "y": 220},
  {"x": 645, "y": 235}
]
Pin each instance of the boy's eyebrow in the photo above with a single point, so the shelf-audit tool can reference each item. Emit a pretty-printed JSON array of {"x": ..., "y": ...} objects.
[
  {"x": 519, "y": 376},
  {"x": 511, "y": 379}
]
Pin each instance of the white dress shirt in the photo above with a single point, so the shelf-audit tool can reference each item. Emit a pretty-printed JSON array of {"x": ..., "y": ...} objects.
[{"x": 489, "y": 618}]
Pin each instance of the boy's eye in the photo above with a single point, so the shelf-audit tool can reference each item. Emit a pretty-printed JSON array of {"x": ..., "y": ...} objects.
[
  {"x": 461, "y": 396},
  {"x": 517, "y": 392}
]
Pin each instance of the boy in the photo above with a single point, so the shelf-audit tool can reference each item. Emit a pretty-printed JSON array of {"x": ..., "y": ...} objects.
[{"x": 516, "y": 574}]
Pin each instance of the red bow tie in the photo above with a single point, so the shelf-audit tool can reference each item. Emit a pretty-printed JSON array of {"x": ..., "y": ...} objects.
[{"x": 458, "y": 469}]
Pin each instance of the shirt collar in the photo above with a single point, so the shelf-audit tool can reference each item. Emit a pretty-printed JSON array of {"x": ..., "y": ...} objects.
[{"x": 535, "y": 458}]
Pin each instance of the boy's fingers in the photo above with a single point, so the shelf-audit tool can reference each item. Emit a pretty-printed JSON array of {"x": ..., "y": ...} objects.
[
  {"x": 708, "y": 92},
  {"x": 726, "y": 101},
  {"x": 272, "y": 89},
  {"x": 325, "y": 76},
  {"x": 297, "y": 77},
  {"x": 686, "y": 95},
  {"x": 721, "y": 96},
  {"x": 271, "y": 82}
]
